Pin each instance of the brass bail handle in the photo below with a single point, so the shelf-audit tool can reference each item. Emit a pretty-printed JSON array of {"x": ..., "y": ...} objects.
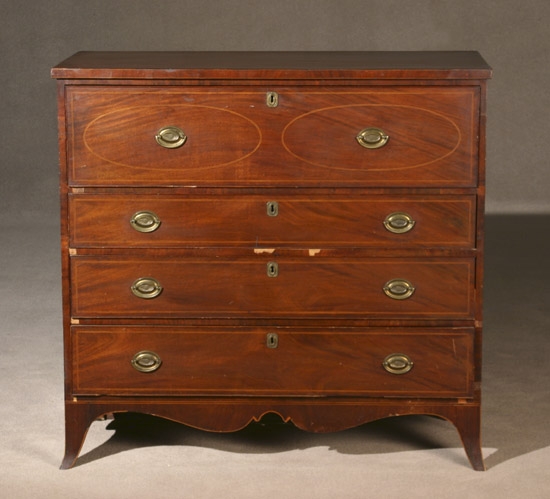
[
  {"x": 145, "y": 221},
  {"x": 372, "y": 138},
  {"x": 398, "y": 363},
  {"x": 146, "y": 288},
  {"x": 399, "y": 222},
  {"x": 399, "y": 289},
  {"x": 146, "y": 361},
  {"x": 170, "y": 137}
]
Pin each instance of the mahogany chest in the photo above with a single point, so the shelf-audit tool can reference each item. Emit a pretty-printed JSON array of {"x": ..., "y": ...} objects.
[{"x": 298, "y": 233}]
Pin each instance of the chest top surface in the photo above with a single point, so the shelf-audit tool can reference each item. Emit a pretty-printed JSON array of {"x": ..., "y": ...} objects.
[{"x": 273, "y": 65}]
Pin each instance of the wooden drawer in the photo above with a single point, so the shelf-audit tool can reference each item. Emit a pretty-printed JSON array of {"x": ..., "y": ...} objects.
[
  {"x": 270, "y": 220},
  {"x": 237, "y": 361},
  {"x": 233, "y": 138},
  {"x": 304, "y": 286}
]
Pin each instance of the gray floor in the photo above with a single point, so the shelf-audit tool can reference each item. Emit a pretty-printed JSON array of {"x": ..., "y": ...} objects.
[{"x": 143, "y": 456}]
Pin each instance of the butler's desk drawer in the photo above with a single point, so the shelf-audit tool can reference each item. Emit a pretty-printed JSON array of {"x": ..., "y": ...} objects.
[
  {"x": 241, "y": 361},
  {"x": 191, "y": 136}
]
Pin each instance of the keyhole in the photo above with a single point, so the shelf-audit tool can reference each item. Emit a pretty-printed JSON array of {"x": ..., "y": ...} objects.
[
  {"x": 272, "y": 99},
  {"x": 272, "y": 269},
  {"x": 272, "y": 340},
  {"x": 272, "y": 208}
]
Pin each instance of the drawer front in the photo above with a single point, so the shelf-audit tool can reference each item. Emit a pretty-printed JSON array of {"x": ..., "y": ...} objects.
[
  {"x": 124, "y": 136},
  {"x": 228, "y": 361},
  {"x": 119, "y": 221},
  {"x": 271, "y": 286}
]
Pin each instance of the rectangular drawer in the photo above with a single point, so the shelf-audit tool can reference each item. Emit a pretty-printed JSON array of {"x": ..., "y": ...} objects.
[
  {"x": 305, "y": 286},
  {"x": 269, "y": 220},
  {"x": 237, "y": 361},
  {"x": 231, "y": 137}
]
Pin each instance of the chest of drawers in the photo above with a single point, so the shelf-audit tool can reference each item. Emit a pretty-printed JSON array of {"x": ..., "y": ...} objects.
[{"x": 295, "y": 233}]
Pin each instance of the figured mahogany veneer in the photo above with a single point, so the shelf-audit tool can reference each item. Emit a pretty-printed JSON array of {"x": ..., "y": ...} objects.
[
  {"x": 199, "y": 361},
  {"x": 443, "y": 287},
  {"x": 232, "y": 135},
  {"x": 297, "y": 233},
  {"x": 312, "y": 220}
]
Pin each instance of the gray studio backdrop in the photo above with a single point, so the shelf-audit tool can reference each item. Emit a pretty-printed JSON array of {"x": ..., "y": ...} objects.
[{"x": 511, "y": 35}]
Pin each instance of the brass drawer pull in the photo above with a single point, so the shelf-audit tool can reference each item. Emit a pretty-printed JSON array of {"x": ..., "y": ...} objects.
[
  {"x": 397, "y": 363},
  {"x": 399, "y": 222},
  {"x": 372, "y": 138},
  {"x": 145, "y": 221},
  {"x": 399, "y": 289},
  {"x": 146, "y": 287},
  {"x": 170, "y": 137},
  {"x": 272, "y": 269},
  {"x": 146, "y": 361}
]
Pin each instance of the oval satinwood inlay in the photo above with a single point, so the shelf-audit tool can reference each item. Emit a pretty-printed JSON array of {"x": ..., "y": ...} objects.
[
  {"x": 327, "y": 137},
  {"x": 214, "y": 137}
]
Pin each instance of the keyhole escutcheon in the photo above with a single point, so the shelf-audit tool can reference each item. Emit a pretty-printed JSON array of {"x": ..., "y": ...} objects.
[
  {"x": 272, "y": 340},
  {"x": 272, "y": 208},
  {"x": 272, "y": 269},
  {"x": 272, "y": 99}
]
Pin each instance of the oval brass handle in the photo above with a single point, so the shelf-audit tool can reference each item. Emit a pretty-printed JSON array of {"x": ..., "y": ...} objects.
[
  {"x": 145, "y": 221},
  {"x": 399, "y": 289},
  {"x": 399, "y": 222},
  {"x": 146, "y": 287},
  {"x": 146, "y": 361},
  {"x": 398, "y": 363},
  {"x": 170, "y": 137},
  {"x": 372, "y": 138}
]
